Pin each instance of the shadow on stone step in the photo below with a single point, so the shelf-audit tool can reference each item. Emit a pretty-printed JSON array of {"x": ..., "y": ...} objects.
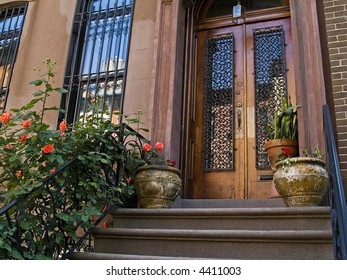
[{"x": 228, "y": 203}]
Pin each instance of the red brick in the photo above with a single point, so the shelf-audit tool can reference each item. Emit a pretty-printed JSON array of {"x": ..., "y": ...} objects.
[
  {"x": 333, "y": 9},
  {"x": 337, "y": 44},
  {"x": 343, "y": 50},
  {"x": 334, "y": 20},
  {"x": 338, "y": 31},
  {"x": 339, "y": 2}
]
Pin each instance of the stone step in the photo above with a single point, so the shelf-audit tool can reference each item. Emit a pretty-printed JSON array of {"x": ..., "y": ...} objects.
[
  {"x": 223, "y": 244},
  {"x": 282, "y": 218},
  {"x": 108, "y": 256},
  {"x": 228, "y": 203}
]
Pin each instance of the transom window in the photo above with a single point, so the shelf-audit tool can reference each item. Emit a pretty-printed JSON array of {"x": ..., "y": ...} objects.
[
  {"x": 96, "y": 75},
  {"x": 225, "y": 7},
  {"x": 11, "y": 23}
]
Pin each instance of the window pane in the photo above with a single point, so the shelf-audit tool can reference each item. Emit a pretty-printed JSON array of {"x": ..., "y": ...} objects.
[
  {"x": 11, "y": 22},
  {"x": 107, "y": 4},
  {"x": 96, "y": 80},
  {"x": 107, "y": 39},
  {"x": 269, "y": 82},
  {"x": 225, "y": 7},
  {"x": 218, "y": 113}
]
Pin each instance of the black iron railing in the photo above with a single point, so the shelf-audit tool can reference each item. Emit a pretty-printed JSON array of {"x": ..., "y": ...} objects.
[
  {"x": 336, "y": 192},
  {"x": 57, "y": 216}
]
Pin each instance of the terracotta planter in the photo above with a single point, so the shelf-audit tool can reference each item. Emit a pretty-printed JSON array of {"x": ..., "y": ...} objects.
[
  {"x": 303, "y": 182},
  {"x": 157, "y": 186},
  {"x": 274, "y": 147}
]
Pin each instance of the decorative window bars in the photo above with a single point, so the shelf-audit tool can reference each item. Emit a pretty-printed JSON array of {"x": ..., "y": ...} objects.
[
  {"x": 96, "y": 68},
  {"x": 218, "y": 138},
  {"x": 270, "y": 82},
  {"x": 11, "y": 24}
]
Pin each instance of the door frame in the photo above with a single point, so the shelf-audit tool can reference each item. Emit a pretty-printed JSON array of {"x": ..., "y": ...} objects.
[
  {"x": 189, "y": 154},
  {"x": 174, "y": 66},
  {"x": 244, "y": 180}
]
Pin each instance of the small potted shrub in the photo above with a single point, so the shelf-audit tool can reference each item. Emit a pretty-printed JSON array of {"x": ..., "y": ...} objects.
[
  {"x": 157, "y": 181},
  {"x": 283, "y": 131}
]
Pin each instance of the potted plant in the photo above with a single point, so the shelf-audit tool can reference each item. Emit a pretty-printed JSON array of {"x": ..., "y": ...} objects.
[
  {"x": 282, "y": 130},
  {"x": 301, "y": 181},
  {"x": 157, "y": 182}
]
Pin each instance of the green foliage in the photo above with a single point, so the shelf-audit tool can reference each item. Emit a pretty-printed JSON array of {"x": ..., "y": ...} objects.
[
  {"x": 31, "y": 152},
  {"x": 284, "y": 122},
  {"x": 315, "y": 152}
]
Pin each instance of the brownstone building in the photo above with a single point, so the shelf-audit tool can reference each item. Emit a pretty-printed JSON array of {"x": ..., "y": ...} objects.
[{"x": 161, "y": 56}]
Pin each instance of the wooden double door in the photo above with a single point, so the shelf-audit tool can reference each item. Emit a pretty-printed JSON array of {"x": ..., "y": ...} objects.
[{"x": 242, "y": 71}]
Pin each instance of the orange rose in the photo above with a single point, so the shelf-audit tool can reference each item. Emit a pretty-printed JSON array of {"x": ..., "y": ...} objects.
[
  {"x": 19, "y": 173},
  {"x": 23, "y": 137},
  {"x": 159, "y": 146},
  {"x": 48, "y": 149},
  {"x": 5, "y": 118},
  {"x": 26, "y": 123},
  {"x": 147, "y": 147},
  {"x": 63, "y": 125}
]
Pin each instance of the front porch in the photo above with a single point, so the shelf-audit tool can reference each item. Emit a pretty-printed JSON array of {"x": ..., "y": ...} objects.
[{"x": 245, "y": 233}]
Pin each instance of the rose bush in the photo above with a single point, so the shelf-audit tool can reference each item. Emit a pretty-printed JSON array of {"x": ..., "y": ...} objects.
[
  {"x": 153, "y": 157},
  {"x": 31, "y": 152}
]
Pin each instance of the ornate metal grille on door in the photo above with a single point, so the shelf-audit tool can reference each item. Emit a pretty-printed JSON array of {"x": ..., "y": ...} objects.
[
  {"x": 218, "y": 103},
  {"x": 270, "y": 82}
]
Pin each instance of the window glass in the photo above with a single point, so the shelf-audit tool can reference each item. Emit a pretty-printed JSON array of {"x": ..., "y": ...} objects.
[
  {"x": 11, "y": 23},
  {"x": 225, "y": 7},
  {"x": 95, "y": 78}
]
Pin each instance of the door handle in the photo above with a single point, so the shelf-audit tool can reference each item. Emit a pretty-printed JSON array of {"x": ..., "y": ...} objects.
[
  {"x": 239, "y": 116},
  {"x": 239, "y": 119}
]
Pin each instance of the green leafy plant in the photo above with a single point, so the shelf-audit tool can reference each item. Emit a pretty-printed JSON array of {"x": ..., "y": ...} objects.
[
  {"x": 143, "y": 153},
  {"x": 31, "y": 152},
  {"x": 284, "y": 122},
  {"x": 315, "y": 152},
  {"x": 286, "y": 156}
]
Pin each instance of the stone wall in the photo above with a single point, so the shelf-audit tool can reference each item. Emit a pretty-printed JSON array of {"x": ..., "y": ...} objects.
[{"x": 46, "y": 33}]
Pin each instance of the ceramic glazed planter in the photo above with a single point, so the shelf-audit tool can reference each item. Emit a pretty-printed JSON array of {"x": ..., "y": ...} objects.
[
  {"x": 273, "y": 147},
  {"x": 157, "y": 186},
  {"x": 303, "y": 182}
]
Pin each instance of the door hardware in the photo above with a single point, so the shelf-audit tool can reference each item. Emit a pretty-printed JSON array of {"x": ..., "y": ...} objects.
[{"x": 239, "y": 119}]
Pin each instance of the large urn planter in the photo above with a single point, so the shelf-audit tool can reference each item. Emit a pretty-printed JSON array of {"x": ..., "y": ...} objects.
[
  {"x": 301, "y": 181},
  {"x": 157, "y": 186},
  {"x": 274, "y": 147}
]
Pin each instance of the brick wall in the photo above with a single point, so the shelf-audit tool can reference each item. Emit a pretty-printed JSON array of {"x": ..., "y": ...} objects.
[{"x": 336, "y": 25}]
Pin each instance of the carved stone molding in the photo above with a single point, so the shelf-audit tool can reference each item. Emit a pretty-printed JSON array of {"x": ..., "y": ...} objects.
[
  {"x": 311, "y": 87},
  {"x": 166, "y": 89}
]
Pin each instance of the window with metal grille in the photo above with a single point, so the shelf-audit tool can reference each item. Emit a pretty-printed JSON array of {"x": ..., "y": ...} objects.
[
  {"x": 95, "y": 75},
  {"x": 11, "y": 23},
  {"x": 225, "y": 7}
]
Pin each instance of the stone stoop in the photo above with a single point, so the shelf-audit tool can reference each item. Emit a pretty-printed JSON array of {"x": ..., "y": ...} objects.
[{"x": 270, "y": 233}]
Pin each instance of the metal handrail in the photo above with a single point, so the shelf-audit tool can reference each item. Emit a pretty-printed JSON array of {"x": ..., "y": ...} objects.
[
  {"x": 337, "y": 197},
  {"x": 50, "y": 193}
]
